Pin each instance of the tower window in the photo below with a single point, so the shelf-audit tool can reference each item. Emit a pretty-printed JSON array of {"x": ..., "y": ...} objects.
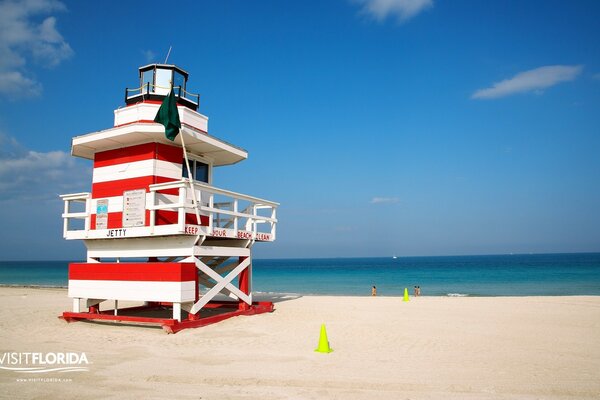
[
  {"x": 148, "y": 81},
  {"x": 200, "y": 170},
  {"x": 179, "y": 84}
]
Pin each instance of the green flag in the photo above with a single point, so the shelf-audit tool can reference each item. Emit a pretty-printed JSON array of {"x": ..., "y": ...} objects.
[{"x": 168, "y": 116}]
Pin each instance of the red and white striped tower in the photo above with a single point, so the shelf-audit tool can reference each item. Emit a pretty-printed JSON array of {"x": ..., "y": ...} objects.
[{"x": 154, "y": 226}]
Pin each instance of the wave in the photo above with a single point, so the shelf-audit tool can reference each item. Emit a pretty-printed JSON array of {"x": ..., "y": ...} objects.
[{"x": 457, "y": 294}]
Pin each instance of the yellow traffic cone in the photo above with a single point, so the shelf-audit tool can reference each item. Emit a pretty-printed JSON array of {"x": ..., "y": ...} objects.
[
  {"x": 323, "y": 342},
  {"x": 405, "y": 295}
]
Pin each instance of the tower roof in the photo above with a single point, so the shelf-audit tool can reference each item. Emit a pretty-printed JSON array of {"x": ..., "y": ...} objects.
[{"x": 196, "y": 142}]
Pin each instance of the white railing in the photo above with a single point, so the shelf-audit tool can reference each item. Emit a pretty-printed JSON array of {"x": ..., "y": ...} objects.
[
  {"x": 148, "y": 88},
  {"x": 230, "y": 214},
  {"x": 223, "y": 213}
]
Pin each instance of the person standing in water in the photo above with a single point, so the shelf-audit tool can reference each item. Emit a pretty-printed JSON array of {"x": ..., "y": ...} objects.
[{"x": 373, "y": 291}]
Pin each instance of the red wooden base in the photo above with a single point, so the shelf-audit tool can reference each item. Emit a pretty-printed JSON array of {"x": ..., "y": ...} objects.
[{"x": 223, "y": 311}]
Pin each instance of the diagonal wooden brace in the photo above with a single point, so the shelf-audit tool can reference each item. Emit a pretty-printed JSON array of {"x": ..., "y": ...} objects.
[
  {"x": 208, "y": 282},
  {"x": 218, "y": 278},
  {"x": 222, "y": 283},
  {"x": 228, "y": 287}
]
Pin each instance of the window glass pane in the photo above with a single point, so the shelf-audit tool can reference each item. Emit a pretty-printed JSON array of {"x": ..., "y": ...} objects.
[
  {"x": 201, "y": 172},
  {"x": 163, "y": 81},
  {"x": 147, "y": 77},
  {"x": 178, "y": 82},
  {"x": 184, "y": 172}
]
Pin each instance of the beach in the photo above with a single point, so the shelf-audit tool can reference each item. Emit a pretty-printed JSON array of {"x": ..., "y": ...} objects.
[{"x": 427, "y": 348}]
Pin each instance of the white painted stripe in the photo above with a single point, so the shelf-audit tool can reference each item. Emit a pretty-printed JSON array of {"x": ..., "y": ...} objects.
[
  {"x": 137, "y": 169},
  {"x": 133, "y": 290},
  {"x": 167, "y": 169},
  {"x": 147, "y": 112}
]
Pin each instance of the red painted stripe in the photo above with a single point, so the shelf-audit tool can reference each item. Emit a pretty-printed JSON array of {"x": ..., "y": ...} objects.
[
  {"x": 146, "y": 121},
  {"x": 139, "y": 121},
  {"x": 163, "y": 217},
  {"x": 155, "y": 272},
  {"x": 172, "y": 154},
  {"x": 166, "y": 217},
  {"x": 194, "y": 128},
  {"x": 146, "y": 101},
  {"x": 117, "y": 187},
  {"x": 140, "y": 152}
]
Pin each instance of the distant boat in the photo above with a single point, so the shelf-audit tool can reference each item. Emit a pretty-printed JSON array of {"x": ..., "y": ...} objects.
[{"x": 394, "y": 257}]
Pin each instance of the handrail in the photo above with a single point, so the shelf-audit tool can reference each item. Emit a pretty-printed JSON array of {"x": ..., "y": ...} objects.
[
  {"x": 236, "y": 214},
  {"x": 75, "y": 196},
  {"x": 225, "y": 219},
  {"x": 213, "y": 189},
  {"x": 229, "y": 210},
  {"x": 146, "y": 89}
]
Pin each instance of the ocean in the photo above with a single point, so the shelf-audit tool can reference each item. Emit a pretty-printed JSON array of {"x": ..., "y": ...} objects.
[{"x": 493, "y": 275}]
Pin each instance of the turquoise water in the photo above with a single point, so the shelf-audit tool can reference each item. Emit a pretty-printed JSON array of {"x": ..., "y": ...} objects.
[{"x": 498, "y": 275}]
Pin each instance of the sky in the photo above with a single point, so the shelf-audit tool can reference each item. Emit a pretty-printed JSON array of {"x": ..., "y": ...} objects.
[{"x": 383, "y": 127}]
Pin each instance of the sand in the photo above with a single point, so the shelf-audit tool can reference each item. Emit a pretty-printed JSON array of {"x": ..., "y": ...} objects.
[{"x": 428, "y": 348}]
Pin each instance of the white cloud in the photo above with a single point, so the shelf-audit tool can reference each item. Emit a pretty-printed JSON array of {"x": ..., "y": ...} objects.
[
  {"x": 23, "y": 36},
  {"x": 51, "y": 48},
  {"x": 384, "y": 200},
  {"x": 27, "y": 174},
  {"x": 19, "y": 86},
  {"x": 149, "y": 56},
  {"x": 403, "y": 10},
  {"x": 533, "y": 80}
]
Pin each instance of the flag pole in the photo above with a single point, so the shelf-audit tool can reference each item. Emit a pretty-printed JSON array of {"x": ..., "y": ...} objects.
[
  {"x": 187, "y": 165},
  {"x": 168, "y": 115},
  {"x": 189, "y": 178}
]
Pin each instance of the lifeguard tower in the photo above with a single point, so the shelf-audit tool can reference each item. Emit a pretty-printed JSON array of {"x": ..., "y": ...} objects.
[{"x": 156, "y": 229}]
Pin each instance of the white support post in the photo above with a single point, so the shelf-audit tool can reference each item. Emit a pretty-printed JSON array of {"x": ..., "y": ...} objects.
[
  {"x": 177, "y": 311},
  {"x": 249, "y": 220},
  {"x": 181, "y": 210},
  {"x": 76, "y": 305},
  {"x": 211, "y": 204},
  {"x": 254, "y": 224},
  {"x": 116, "y": 306},
  {"x": 235, "y": 218},
  {"x": 66, "y": 219},
  {"x": 152, "y": 200},
  {"x": 273, "y": 224},
  {"x": 88, "y": 207}
]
